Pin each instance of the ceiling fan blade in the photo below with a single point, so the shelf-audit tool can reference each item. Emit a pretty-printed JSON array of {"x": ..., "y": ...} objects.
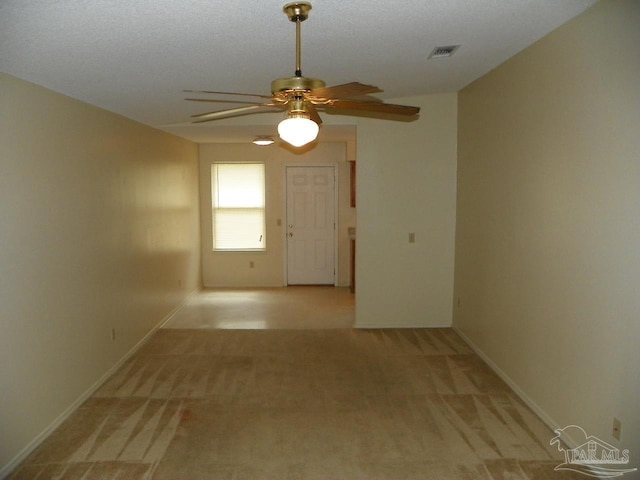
[
  {"x": 206, "y": 117},
  {"x": 386, "y": 108},
  {"x": 347, "y": 90},
  {"x": 212, "y": 100},
  {"x": 313, "y": 113},
  {"x": 229, "y": 93}
]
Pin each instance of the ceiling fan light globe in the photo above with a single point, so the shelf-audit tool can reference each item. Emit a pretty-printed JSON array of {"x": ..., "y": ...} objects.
[{"x": 298, "y": 131}]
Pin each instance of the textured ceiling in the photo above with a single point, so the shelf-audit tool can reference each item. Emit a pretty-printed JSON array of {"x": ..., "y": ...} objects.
[{"x": 134, "y": 57}]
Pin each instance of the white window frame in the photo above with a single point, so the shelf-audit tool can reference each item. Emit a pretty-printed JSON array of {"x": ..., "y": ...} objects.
[{"x": 247, "y": 203}]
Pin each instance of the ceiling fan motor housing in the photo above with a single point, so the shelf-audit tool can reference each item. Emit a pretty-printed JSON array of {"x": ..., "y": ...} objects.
[{"x": 295, "y": 84}]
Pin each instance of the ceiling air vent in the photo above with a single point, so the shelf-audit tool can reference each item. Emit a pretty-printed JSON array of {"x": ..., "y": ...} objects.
[{"x": 443, "y": 51}]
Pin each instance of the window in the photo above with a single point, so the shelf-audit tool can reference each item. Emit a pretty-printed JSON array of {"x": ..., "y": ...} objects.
[{"x": 237, "y": 201}]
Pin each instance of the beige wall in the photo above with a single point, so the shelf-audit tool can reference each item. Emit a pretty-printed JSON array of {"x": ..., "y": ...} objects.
[
  {"x": 98, "y": 230},
  {"x": 226, "y": 269},
  {"x": 548, "y": 226},
  {"x": 407, "y": 184}
]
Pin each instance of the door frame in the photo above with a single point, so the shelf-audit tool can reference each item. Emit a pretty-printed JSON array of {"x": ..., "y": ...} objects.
[{"x": 336, "y": 183}]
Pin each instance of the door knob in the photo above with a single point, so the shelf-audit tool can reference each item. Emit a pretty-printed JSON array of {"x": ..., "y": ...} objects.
[{"x": 291, "y": 234}]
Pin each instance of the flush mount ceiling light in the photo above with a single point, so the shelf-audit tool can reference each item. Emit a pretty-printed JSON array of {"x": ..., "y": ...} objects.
[
  {"x": 263, "y": 140},
  {"x": 303, "y": 97}
]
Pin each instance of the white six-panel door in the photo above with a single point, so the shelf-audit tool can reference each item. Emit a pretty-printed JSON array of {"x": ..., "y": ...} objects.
[{"x": 310, "y": 226}]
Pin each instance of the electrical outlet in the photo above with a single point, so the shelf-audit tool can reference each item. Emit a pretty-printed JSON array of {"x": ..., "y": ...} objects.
[
  {"x": 113, "y": 334},
  {"x": 616, "y": 430},
  {"x": 412, "y": 238},
  {"x": 252, "y": 264}
]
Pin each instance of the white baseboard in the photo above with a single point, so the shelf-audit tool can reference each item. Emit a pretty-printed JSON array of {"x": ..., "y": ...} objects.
[
  {"x": 240, "y": 287},
  {"x": 549, "y": 422},
  {"x": 169, "y": 316},
  {"x": 35, "y": 443},
  {"x": 275, "y": 285},
  {"x": 404, "y": 325},
  {"x": 544, "y": 416}
]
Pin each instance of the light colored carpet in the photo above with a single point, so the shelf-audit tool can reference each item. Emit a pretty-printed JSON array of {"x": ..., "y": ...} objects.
[{"x": 300, "y": 404}]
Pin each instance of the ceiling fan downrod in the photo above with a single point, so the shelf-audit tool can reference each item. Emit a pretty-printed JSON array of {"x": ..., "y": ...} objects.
[
  {"x": 297, "y": 85},
  {"x": 298, "y": 12}
]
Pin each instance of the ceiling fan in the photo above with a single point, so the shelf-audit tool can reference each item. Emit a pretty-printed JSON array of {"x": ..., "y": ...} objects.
[{"x": 302, "y": 97}]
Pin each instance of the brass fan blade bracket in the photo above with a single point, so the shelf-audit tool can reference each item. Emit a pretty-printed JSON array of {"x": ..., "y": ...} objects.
[{"x": 313, "y": 113}]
